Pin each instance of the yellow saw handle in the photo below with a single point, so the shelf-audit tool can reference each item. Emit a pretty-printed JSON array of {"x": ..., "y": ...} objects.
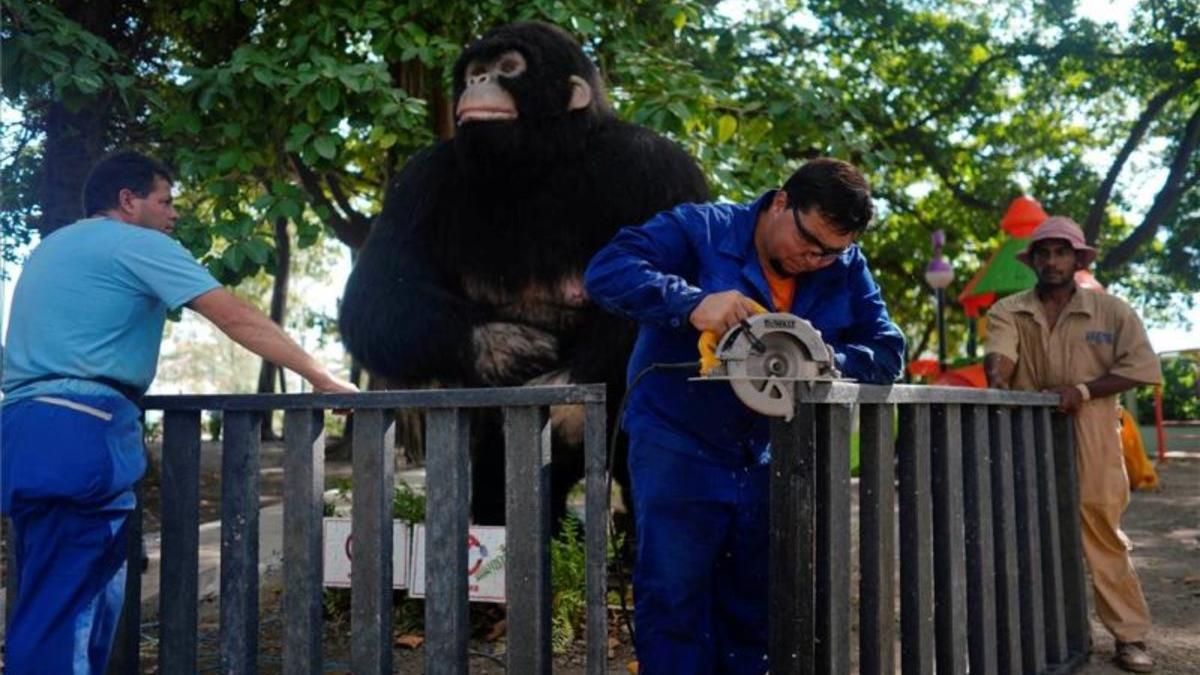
[{"x": 708, "y": 345}]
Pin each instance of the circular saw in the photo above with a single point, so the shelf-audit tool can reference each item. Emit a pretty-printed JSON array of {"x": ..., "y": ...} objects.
[{"x": 764, "y": 356}]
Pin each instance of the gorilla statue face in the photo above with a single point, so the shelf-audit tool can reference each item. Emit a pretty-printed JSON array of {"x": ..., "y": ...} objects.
[{"x": 525, "y": 94}]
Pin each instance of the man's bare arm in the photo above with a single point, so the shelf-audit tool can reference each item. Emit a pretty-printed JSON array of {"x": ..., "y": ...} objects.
[
  {"x": 1108, "y": 385},
  {"x": 999, "y": 370},
  {"x": 254, "y": 331}
]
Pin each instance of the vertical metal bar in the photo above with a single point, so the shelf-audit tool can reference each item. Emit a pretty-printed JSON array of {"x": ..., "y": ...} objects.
[
  {"x": 1074, "y": 577},
  {"x": 1052, "y": 577},
  {"x": 916, "y": 543},
  {"x": 833, "y": 538},
  {"x": 527, "y": 540},
  {"x": 303, "y": 559},
  {"x": 980, "y": 555},
  {"x": 877, "y": 548},
  {"x": 949, "y": 561},
  {"x": 239, "y": 543},
  {"x": 447, "y": 443},
  {"x": 1008, "y": 622},
  {"x": 596, "y": 535},
  {"x": 792, "y": 526},
  {"x": 1029, "y": 543},
  {"x": 180, "y": 541},
  {"x": 374, "y": 459}
]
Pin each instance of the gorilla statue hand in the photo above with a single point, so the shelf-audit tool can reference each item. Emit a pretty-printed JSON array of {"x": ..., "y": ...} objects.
[{"x": 508, "y": 354}]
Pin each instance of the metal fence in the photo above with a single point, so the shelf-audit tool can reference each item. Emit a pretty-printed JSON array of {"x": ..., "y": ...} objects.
[
  {"x": 991, "y": 575},
  {"x": 990, "y": 563},
  {"x": 447, "y": 436}
]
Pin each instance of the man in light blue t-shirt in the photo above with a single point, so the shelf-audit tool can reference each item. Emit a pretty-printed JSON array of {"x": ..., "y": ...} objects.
[{"x": 83, "y": 340}]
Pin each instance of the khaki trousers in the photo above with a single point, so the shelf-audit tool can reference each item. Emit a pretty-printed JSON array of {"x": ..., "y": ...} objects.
[{"x": 1103, "y": 496}]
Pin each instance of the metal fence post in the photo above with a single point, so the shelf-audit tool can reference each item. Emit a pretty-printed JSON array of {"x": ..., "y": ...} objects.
[
  {"x": 239, "y": 543},
  {"x": 374, "y": 458},
  {"x": 1029, "y": 543},
  {"x": 949, "y": 532},
  {"x": 447, "y": 443},
  {"x": 596, "y": 534},
  {"x": 877, "y": 549},
  {"x": 980, "y": 555},
  {"x": 792, "y": 531},
  {"x": 916, "y": 542},
  {"x": 1008, "y": 604},
  {"x": 833, "y": 538},
  {"x": 303, "y": 558},
  {"x": 1051, "y": 544},
  {"x": 180, "y": 541},
  {"x": 527, "y": 550}
]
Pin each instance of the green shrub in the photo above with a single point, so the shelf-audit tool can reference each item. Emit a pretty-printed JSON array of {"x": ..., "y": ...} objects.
[
  {"x": 568, "y": 570},
  {"x": 1181, "y": 398},
  {"x": 408, "y": 504}
]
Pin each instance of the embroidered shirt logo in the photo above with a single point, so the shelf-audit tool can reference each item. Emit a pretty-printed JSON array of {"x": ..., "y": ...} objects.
[{"x": 1099, "y": 337}]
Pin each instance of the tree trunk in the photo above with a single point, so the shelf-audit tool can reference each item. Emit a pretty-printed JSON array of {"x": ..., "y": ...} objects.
[
  {"x": 416, "y": 79},
  {"x": 279, "y": 290},
  {"x": 74, "y": 141}
]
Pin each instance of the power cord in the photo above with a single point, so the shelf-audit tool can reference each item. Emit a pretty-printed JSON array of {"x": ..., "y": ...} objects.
[{"x": 612, "y": 453}]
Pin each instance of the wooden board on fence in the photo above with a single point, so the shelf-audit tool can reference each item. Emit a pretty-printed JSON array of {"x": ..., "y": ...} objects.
[
  {"x": 339, "y": 552},
  {"x": 485, "y": 563}
]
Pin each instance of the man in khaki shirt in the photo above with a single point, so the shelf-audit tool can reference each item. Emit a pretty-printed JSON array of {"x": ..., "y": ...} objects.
[{"x": 1087, "y": 347}]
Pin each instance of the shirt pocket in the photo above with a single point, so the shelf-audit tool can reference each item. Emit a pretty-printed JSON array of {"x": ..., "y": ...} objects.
[{"x": 1094, "y": 354}]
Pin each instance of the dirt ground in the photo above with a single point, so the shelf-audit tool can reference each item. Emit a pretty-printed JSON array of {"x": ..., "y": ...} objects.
[{"x": 1165, "y": 529}]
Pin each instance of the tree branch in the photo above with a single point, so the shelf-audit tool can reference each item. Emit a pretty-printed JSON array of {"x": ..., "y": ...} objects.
[
  {"x": 1091, "y": 226},
  {"x": 1167, "y": 198},
  {"x": 349, "y": 233},
  {"x": 932, "y": 156},
  {"x": 968, "y": 89},
  {"x": 335, "y": 188}
]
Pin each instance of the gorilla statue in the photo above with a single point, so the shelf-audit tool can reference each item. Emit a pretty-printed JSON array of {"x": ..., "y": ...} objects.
[{"x": 472, "y": 275}]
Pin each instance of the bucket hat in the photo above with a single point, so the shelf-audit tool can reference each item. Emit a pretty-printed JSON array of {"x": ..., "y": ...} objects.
[{"x": 1059, "y": 227}]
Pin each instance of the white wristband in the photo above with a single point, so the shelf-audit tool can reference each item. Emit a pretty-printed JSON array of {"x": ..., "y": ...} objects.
[{"x": 1084, "y": 391}]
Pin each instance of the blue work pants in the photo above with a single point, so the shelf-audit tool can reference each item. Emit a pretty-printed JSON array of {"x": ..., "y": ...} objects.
[
  {"x": 700, "y": 577},
  {"x": 69, "y": 464}
]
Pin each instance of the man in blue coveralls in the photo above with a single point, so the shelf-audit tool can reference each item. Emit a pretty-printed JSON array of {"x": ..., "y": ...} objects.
[
  {"x": 83, "y": 341},
  {"x": 698, "y": 456}
]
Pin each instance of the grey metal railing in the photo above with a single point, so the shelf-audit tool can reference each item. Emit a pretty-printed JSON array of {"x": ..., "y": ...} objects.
[
  {"x": 990, "y": 561},
  {"x": 527, "y": 439},
  {"x": 987, "y": 553}
]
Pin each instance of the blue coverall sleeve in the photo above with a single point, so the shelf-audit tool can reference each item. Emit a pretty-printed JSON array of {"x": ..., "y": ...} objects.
[
  {"x": 871, "y": 348},
  {"x": 640, "y": 273}
]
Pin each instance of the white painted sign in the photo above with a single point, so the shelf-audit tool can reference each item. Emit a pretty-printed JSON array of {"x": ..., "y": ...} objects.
[
  {"x": 485, "y": 563},
  {"x": 339, "y": 553}
]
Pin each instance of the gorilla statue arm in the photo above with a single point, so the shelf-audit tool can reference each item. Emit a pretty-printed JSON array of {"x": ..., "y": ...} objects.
[{"x": 397, "y": 315}]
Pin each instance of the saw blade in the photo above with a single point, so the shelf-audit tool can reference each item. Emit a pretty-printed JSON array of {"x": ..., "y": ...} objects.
[{"x": 765, "y": 380}]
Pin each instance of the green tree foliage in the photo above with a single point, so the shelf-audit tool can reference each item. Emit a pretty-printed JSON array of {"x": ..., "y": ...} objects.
[
  {"x": 82, "y": 83},
  {"x": 300, "y": 111},
  {"x": 1180, "y": 391},
  {"x": 954, "y": 109}
]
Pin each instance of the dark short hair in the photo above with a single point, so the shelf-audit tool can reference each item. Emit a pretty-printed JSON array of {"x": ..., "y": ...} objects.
[
  {"x": 123, "y": 170},
  {"x": 838, "y": 190}
]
